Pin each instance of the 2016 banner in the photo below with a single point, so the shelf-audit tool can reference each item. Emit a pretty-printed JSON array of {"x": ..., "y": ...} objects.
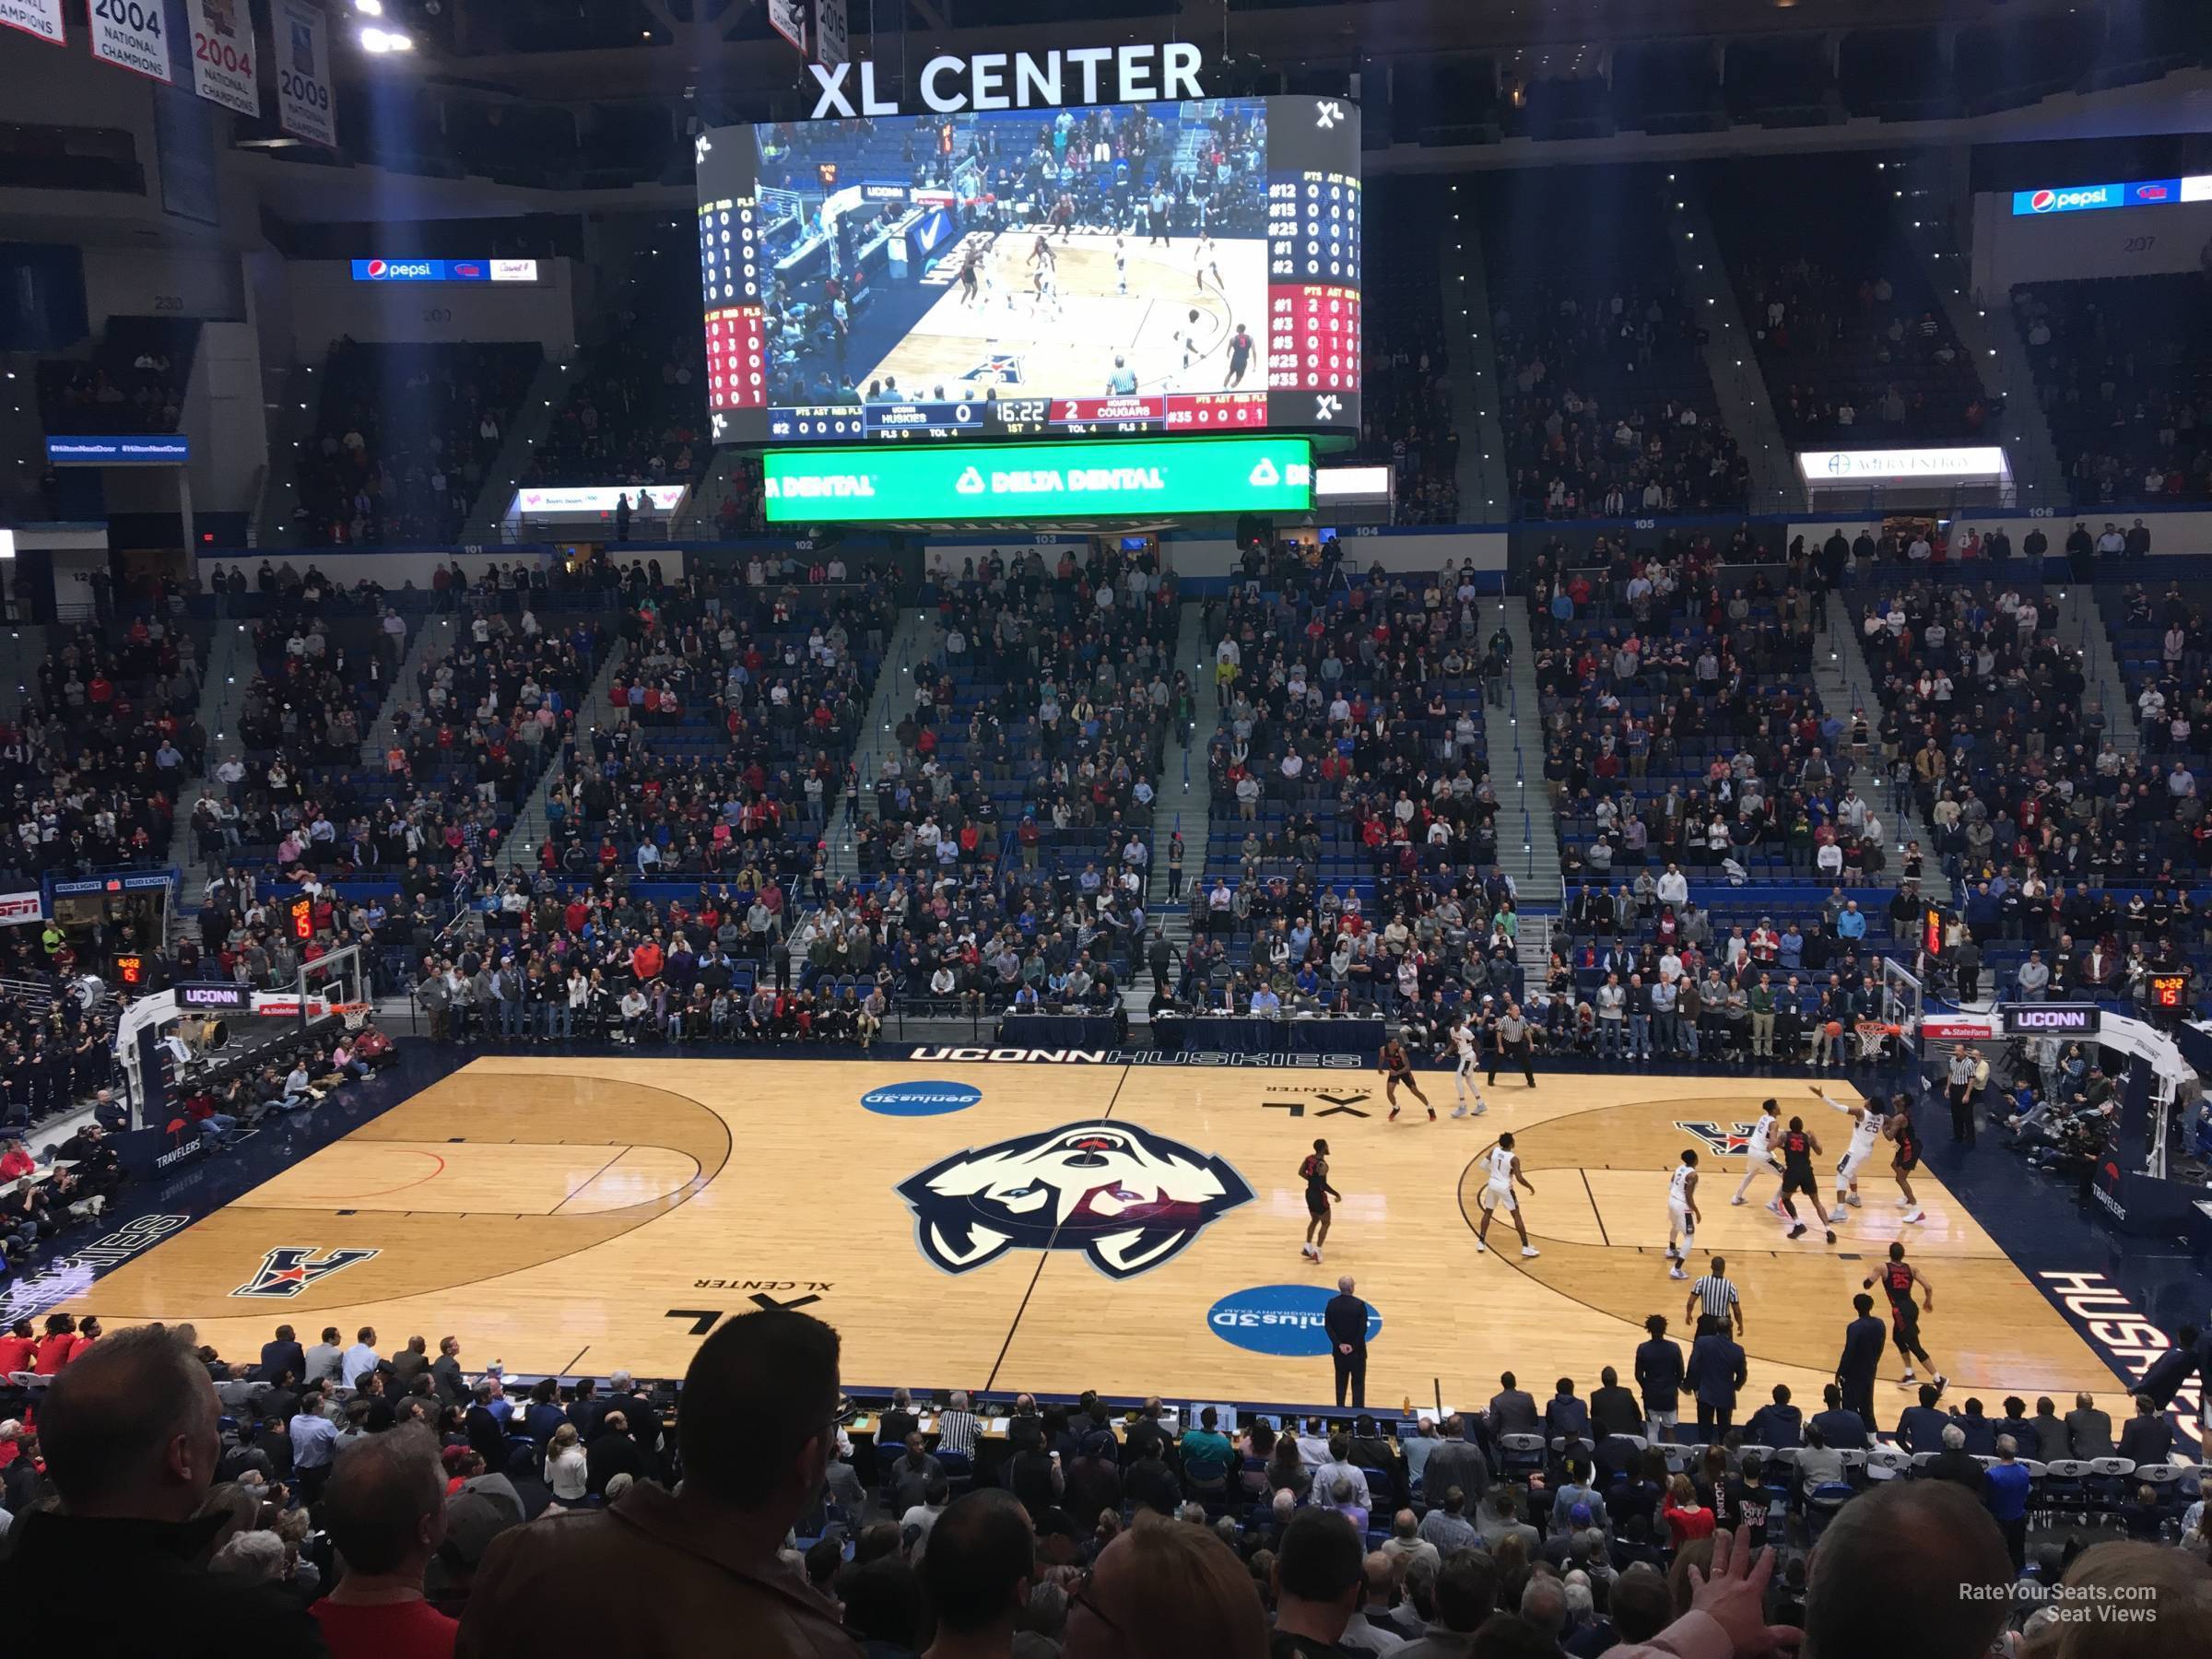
[
  {"x": 300, "y": 36},
  {"x": 40, "y": 17},
  {"x": 133, "y": 35},
  {"x": 222, "y": 53}
]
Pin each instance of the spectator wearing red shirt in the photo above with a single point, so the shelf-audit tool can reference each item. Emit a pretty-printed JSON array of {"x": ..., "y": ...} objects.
[
  {"x": 18, "y": 1348},
  {"x": 646, "y": 962},
  {"x": 17, "y": 1161},
  {"x": 1685, "y": 1518},
  {"x": 58, "y": 1346},
  {"x": 385, "y": 1510}
]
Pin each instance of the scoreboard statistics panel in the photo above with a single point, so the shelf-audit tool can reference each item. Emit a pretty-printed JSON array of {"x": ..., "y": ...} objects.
[{"x": 1118, "y": 269}]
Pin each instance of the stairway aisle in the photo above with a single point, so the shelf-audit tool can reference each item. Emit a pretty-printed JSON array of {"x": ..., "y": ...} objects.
[
  {"x": 2080, "y": 623},
  {"x": 914, "y": 645},
  {"x": 1184, "y": 798},
  {"x": 433, "y": 638},
  {"x": 1841, "y": 682},
  {"x": 1528, "y": 834},
  {"x": 541, "y": 406},
  {"x": 224, "y": 676},
  {"x": 532, "y": 823},
  {"x": 1183, "y": 803}
]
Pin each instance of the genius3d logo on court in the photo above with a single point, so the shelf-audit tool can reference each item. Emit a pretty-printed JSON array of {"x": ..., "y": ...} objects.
[
  {"x": 291, "y": 1268},
  {"x": 1127, "y": 1198}
]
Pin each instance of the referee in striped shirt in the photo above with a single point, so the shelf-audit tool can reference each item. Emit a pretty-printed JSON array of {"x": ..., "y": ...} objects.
[
  {"x": 1715, "y": 1293},
  {"x": 957, "y": 1426}
]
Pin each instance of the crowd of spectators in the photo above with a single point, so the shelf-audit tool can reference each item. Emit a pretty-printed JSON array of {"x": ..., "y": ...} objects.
[
  {"x": 1855, "y": 347},
  {"x": 133, "y": 381},
  {"x": 1352, "y": 859},
  {"x": 1679, "y": 721},
  {"x": 1405, "y": 386},
  {"x": 636, "y": 413},
  {"x": 2120, "y": 365},
  {"x": 1608, "y": 409},
  {"x": 340, "y": 1497},
  {"x": 404, "y": 434},
  {"x": 108, "y": 734}
]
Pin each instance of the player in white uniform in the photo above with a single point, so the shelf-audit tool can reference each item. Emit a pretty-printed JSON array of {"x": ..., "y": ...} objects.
[
  {"x": 1866, "y": 1129},
  {"x": 1503, "y": 1165},
  {"x": 1202, "y": 261},
  {"x": 1759, "y": 1155},
  {"x": 1120, "y": 268},
  {"x": 1463, "y": 1072},
  {"x": 1682, "y": 1216}
]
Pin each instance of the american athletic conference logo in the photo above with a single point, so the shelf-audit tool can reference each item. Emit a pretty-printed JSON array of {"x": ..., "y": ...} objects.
[
  {"x": 1734, "y": 1138},
  {"x": 291, "y": 1268},
  {"x": 1127, "y": 1198}
]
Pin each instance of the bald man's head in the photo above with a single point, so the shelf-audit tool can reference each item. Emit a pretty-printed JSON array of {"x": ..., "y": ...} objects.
[
  {"x": 130, "y": 1431},
  {"x": 1941, "y": 1564}
]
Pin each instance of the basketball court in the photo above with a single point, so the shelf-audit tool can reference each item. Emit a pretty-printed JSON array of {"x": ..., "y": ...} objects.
[
  {"x": 1002, "y": 336},
  {"x": 1061, "y": 1227}
]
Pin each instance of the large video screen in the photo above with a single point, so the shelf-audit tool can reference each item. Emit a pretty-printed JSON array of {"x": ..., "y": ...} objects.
[{"x": 1118, "y": 268}]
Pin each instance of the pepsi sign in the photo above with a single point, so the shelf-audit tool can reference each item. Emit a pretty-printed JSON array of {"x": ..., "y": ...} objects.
[
  {"x": 445, "y": 270},
  {"x": 2135, "y": 193},
  {"x": 2074, "y": 198}
]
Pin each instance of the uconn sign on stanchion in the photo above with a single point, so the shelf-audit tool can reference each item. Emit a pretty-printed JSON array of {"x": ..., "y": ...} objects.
[{"x": 2052, "y": 1019}]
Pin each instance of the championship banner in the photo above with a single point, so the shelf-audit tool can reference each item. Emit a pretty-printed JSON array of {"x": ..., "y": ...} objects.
[
  {"x": 40, "y": 17},
  {"x": 300, "y": 35},
  {"x": 788, "y": 19},
  {"x": 132, "y": 35},
  {"x": 833, "y": 39},
  {"x": 222, "y": 54}
]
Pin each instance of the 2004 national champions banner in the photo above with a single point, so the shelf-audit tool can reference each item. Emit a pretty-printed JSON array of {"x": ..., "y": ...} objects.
[
  {"x": 132, "y": 34},
  {"x": 222, "y": 53}
]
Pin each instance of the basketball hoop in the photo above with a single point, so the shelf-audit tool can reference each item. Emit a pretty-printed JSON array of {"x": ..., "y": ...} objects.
[
  {"x": 1873, "y": 1033},
  {"x": 355, "y": 1015}
]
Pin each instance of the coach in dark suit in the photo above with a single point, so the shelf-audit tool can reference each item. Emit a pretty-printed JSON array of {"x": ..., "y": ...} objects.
[
  {"x": 1716, "y": 1373},
  {"x": 1344, "y": 1319},
  {"x": 283, "y": 1355},
  {"x": 1864, "y": 1339}
]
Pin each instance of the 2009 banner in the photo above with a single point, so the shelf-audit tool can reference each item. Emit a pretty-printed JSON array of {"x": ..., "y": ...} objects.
[
  {"x": 222, "y": 53},
  {"x": 40, "y": 17},
  {"x": 300, "y": 37},
  {"x": 132, "y": 34}
]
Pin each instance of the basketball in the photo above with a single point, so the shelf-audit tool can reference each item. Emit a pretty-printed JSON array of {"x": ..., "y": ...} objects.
[{"x": 1835, "y": 1027}]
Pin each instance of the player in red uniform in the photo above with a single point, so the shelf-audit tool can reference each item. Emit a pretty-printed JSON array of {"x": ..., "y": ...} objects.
[
  {"x": 1396, "y": 1068},
  {"x": 1898, "y": 1277},
  {"x": 1239, "y": 357}
]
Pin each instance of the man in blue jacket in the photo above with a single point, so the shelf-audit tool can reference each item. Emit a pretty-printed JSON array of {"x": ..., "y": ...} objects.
[
  {"x": 1716, "y": 1371},
  {"x": 1863, "y": 1340},
  {"x": 1777, "y": 1424},
  {"x": 1659, "y": 1378},
  {"x": 1841, "y": 1426},
  {"x": 1565, "y": 1416},
  {"x": 1920, "y": 1428}
]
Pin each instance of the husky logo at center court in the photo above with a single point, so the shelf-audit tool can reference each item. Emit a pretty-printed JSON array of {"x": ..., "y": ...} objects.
[
  {"x": 1726, "y": 1141},
  {"x": 1127, "y": 1198},
  {"x": 291, "y": 1268}
]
